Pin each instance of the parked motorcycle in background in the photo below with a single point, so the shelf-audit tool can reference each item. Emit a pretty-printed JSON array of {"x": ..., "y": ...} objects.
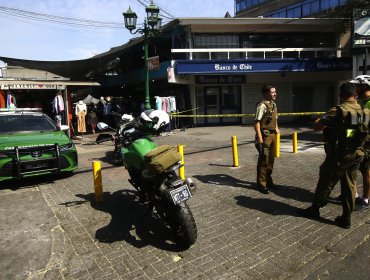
[{"x": 152, "y": 171}]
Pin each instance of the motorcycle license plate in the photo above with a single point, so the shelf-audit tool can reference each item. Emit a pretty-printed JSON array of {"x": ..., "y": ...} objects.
[{"x": 180, "y": 194}]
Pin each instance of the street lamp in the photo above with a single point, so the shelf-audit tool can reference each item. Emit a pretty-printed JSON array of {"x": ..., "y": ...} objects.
[{"x": 151, "y": 25}]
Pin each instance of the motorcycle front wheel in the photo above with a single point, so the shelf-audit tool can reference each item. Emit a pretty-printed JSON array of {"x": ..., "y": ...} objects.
[{"x": 181, "y": 221}]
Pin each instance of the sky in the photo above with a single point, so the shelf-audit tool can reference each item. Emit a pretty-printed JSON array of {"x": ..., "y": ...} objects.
[{"x": 23, "y": 36}]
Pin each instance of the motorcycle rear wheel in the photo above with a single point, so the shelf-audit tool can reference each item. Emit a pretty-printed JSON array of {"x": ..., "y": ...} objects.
[{"x": 182, "y": 223}]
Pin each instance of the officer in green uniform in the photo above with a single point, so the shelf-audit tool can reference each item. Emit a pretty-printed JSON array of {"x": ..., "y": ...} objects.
[
  {"x": 345, "y": 130},
  {"x": 266, "y": 128},
  {"x": 362, "y": 83}
]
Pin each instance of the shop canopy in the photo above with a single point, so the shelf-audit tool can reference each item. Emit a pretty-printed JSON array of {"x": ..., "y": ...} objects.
[
  {"x": 8, "y": 84},
  {"x": 90, "y": 99}
]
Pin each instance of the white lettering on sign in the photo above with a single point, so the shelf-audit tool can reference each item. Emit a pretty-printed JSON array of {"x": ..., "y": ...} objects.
[
  {"x": 245, "y": 67},
  {"x": 31, "y": 86},
  {"x": 321, "y": 65},
  {"x": 219, "y": 67}
]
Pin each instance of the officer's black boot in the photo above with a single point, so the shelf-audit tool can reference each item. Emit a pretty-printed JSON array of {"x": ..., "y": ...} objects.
[
  {"x": 343, "y": 221},
  {"x": 312, "y": 212}
]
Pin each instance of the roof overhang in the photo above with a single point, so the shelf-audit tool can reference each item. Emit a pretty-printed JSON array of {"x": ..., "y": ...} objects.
[{"x": 39, "y": 84}]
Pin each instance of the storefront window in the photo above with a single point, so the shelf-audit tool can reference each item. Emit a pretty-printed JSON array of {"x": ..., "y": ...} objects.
[
  {"x": 218, "y": 100},
  {"x": 214, "y": 41}
]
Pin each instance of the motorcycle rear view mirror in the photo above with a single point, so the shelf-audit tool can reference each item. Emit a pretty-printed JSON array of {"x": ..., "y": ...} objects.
[{"x": 102, "y": 126}]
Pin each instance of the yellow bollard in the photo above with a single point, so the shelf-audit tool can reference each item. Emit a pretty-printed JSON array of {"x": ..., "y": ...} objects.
[
  {"x": 180, "y": 149},
  {"x": 98, "y": 186},
  {"x": 277, "y": 145},
  {"x": 295, "y": 142},
  {"x": 235, "y": 151}
]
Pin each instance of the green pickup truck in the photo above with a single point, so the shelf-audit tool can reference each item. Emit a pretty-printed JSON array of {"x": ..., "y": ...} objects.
[{"x": 31, "y": 145}]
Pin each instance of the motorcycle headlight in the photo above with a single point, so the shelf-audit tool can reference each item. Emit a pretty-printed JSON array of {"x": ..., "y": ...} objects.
[{"x": 66, "y": 147}]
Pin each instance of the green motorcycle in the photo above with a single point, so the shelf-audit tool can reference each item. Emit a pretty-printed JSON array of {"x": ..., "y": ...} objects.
[{"x": 153, "y": 171}]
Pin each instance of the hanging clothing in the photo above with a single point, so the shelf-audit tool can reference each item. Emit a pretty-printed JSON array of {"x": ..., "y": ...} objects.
[
  {"x": 58, "y": 104},
  {"x": 164, "y": 104},
  {"x": 10, "y": 101},
  {"x": 81, "y": 123},
  {"x": 80, "y": 106},
  {"x": 168, "y": 105},
  {"x": 158, "y": 103},
  {"x": 173, "y": 104},
  {"x": 81, "y": 110}
]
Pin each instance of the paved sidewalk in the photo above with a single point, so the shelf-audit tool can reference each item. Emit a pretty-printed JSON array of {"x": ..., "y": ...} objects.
[{"x": 242, "y": 234}]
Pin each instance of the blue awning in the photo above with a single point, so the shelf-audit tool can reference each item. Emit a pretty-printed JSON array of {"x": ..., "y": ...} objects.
[{"x": 186, "y": 67}]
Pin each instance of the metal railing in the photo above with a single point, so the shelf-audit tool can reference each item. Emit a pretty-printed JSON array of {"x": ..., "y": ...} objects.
[{"x": 264, "y": 52}]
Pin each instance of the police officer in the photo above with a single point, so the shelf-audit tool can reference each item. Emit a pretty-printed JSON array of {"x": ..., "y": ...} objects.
[
  {"x": 362, "y": 83},
  {"x": 345, "y": 130},
  {"x": 266, "y": 128}
]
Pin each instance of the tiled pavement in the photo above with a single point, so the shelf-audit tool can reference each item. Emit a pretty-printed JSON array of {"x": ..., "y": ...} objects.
[{"x": 242, "y": 234}]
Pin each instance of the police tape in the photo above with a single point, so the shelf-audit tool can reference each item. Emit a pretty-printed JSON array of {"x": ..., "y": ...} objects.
[
  {"x": 177, "y": 113},
  {"x": 245, "y": 115}
]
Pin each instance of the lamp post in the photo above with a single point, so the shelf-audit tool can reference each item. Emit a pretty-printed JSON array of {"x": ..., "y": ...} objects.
[{"x": 150, "y": 28}]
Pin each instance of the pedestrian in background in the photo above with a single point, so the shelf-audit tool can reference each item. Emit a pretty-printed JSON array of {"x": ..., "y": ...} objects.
[
  {"x": 266, "y": 128},
  {"x": 345, "y": 130},
  {"x": 92, "y": 118},
  {"x": 362, "y": 83}
]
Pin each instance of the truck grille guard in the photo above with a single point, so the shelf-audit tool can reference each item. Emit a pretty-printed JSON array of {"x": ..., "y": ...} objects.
[{"x": 53, "y": 164}]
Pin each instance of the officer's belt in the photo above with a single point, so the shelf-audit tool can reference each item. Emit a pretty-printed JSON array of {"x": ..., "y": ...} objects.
[{"x": 270, "y": 130}]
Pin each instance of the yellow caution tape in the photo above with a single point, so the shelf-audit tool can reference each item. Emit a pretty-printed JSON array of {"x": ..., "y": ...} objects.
[
  {"x": 176, "y": 113},
  {"x": 244, "y": 115}
]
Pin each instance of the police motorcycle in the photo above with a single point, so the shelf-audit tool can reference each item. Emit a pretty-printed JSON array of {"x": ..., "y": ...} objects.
[{"x": 153, "y": 171}]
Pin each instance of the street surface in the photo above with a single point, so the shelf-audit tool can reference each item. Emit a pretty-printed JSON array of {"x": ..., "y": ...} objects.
[{"x": 52, "y": 228}]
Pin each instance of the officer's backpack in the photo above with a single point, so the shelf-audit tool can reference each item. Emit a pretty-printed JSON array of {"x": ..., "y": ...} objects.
[{"x": 351, "y": 135}]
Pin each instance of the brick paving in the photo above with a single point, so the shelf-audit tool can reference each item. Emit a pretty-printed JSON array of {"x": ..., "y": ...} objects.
[{"x": 242, "y": 234}]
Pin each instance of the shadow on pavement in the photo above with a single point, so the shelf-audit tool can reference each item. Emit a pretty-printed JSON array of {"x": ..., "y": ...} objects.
[
  {"x": 288, "y": 192},
  {"x": 31, "y": 182},
  {"x": 128, "y": 218},
  {"x": 273, "y": 207},
  {"x": 294, "y": 193},
  {"x": 266, "y": 205},
  {"x": 223, "y": 179}
]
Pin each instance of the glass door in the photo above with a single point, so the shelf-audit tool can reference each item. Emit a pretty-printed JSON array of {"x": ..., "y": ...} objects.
[{"x": 212, "y": 104}]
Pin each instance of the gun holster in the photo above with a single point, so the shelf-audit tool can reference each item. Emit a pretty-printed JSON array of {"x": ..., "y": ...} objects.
[{"x": 259, "y": 147}]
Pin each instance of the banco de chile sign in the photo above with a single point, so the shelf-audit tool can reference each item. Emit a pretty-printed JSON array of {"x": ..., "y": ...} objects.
[{"x": 262, "y": 65}]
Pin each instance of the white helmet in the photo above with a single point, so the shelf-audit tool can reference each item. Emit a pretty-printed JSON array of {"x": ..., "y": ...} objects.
[
  {"x": 362, "y": 79},
  {"x": 127, "y": 117},
  {"x": 158, "y": 117}
]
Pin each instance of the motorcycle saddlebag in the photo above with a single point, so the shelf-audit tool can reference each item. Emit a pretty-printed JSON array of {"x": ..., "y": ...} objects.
[{"x": 161, "y": 158}]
